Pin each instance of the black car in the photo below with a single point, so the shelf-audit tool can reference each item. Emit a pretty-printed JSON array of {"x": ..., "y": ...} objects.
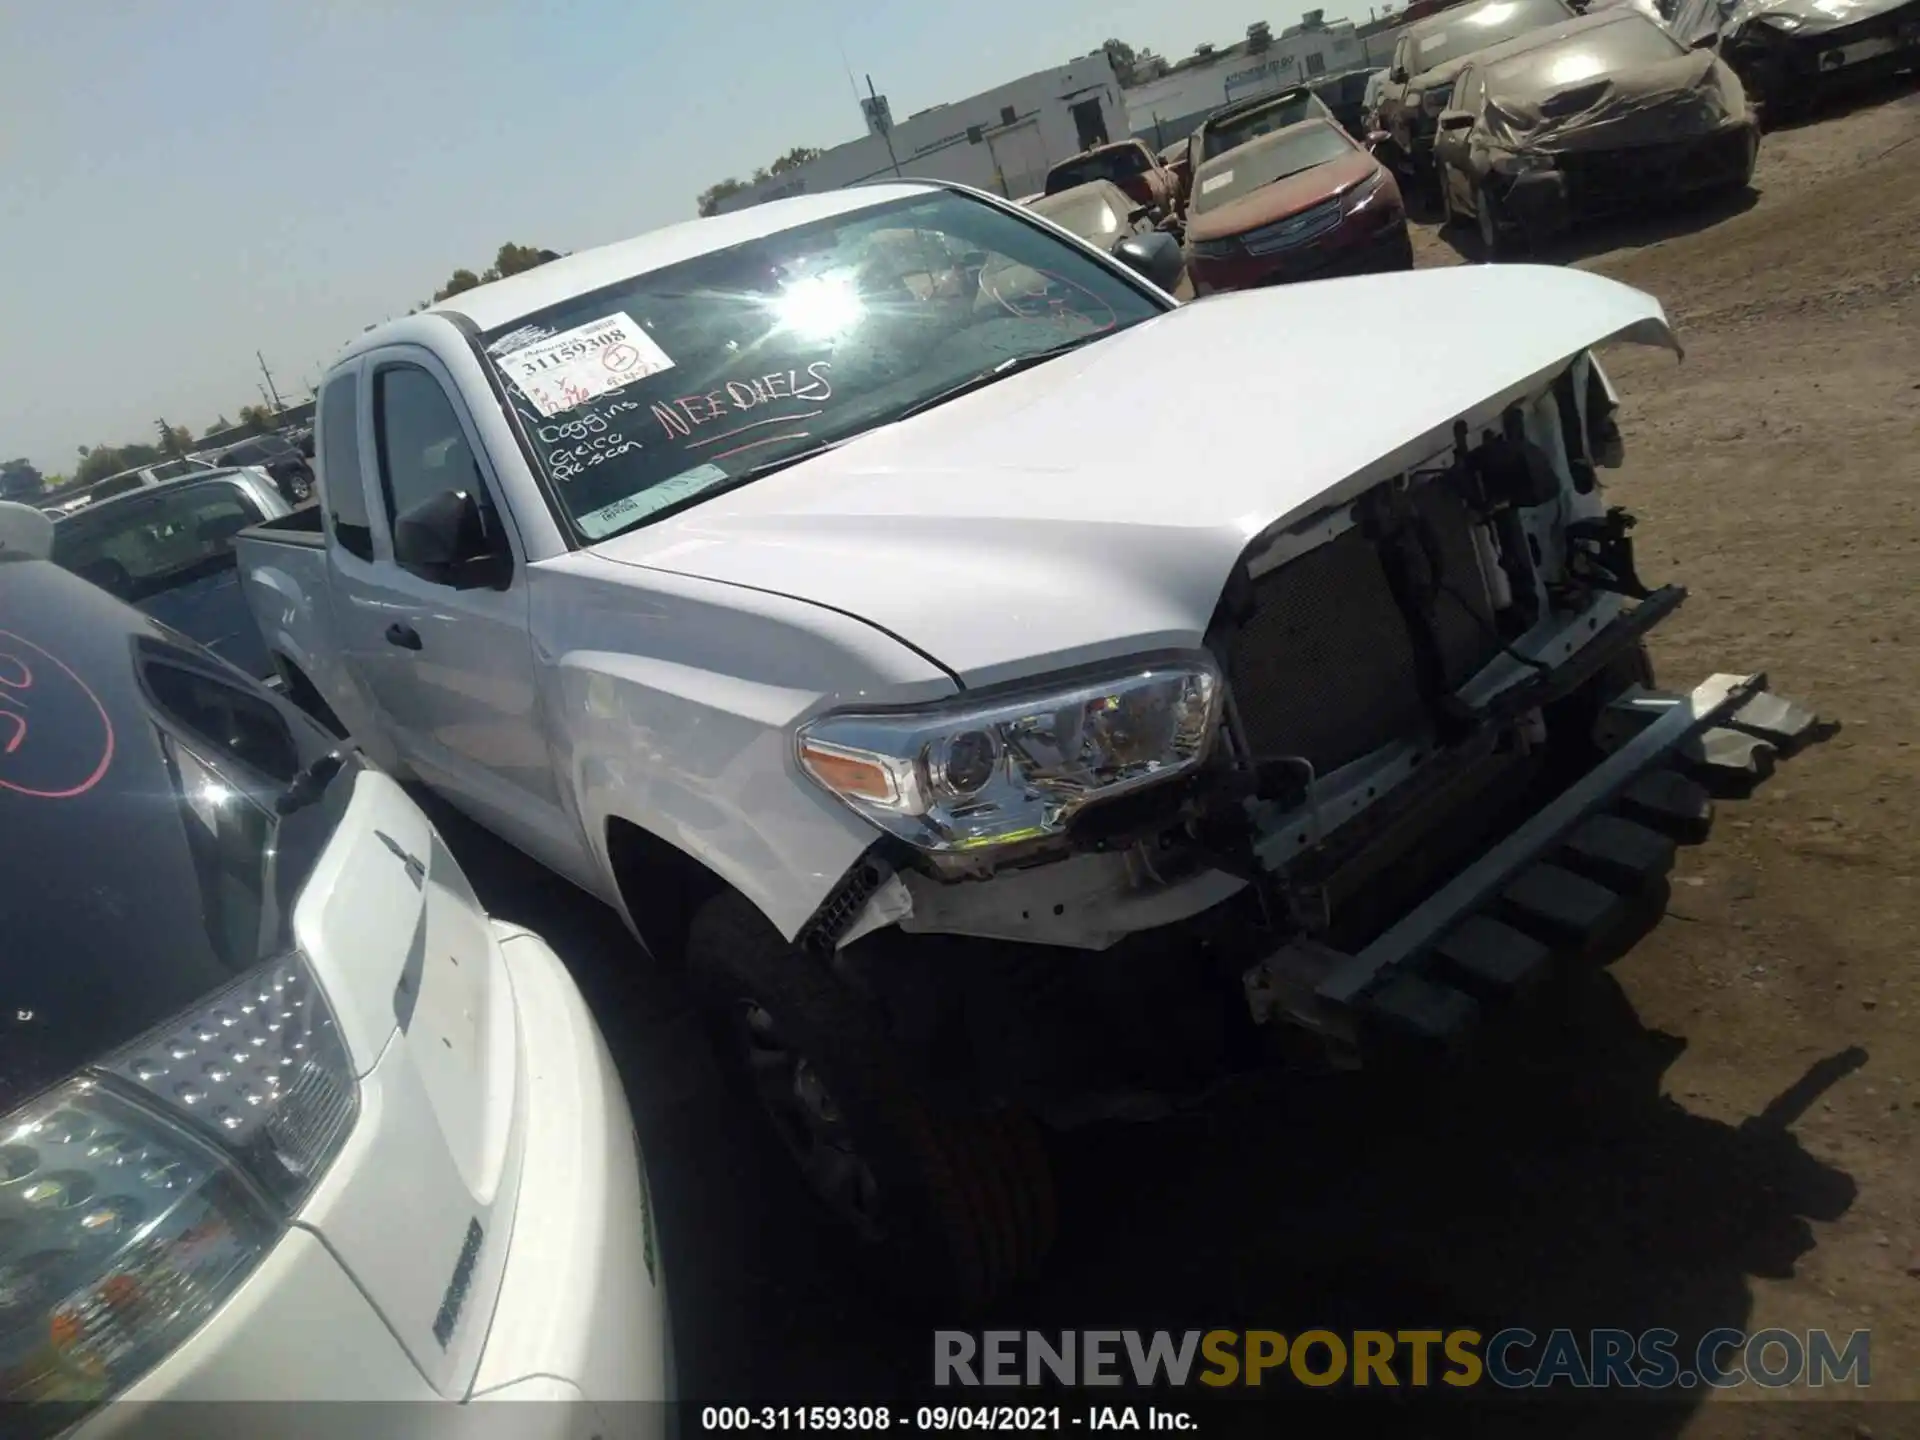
[
  {"x": 279, "y": 457},
  {"x": 160, "y": 815},
  {"x": 1789, "y": 53}
]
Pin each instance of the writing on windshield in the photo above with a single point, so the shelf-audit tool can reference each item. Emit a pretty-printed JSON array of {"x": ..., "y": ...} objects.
[{"x": 808, "y": 335}]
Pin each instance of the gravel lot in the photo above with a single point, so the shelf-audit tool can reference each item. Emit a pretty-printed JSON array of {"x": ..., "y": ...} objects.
[{"x": 1723, "y": 1130}]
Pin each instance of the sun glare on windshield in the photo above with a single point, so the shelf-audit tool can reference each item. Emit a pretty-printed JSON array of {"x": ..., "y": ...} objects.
[{"x": 820, "y": 307}]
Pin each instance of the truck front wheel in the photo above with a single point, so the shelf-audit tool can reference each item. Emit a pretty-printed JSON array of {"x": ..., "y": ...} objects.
[{"x": 947, "y": 1208}]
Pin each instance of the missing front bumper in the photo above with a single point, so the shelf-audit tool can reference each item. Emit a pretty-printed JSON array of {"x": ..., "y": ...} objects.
[{"x": 1563, "y": 885}]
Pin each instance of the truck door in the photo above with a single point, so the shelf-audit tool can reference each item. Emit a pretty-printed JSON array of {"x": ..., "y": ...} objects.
[{"x": 448, "y": 664}]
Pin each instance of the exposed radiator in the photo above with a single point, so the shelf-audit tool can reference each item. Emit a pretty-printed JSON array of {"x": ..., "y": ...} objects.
[{"x": 1324, "y": 667}]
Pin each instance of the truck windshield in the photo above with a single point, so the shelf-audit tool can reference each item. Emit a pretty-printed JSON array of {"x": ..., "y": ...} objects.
[{"x": 640, "y": 396}]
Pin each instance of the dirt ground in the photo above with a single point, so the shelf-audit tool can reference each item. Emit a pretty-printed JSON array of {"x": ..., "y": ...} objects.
[{"x": 1723, "y": 1130}]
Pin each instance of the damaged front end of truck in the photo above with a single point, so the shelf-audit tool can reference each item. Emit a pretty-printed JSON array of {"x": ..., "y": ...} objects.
[{"x": 1439, "y": 770}]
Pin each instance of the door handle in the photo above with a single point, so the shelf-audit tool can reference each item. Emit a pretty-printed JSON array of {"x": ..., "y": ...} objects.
[{"x": 405, "y": 636}]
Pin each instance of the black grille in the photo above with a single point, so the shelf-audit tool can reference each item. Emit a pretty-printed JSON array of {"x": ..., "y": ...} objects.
[
  {"x": 1325, "y": 668},
  {"x": 1601, "y": 181}
]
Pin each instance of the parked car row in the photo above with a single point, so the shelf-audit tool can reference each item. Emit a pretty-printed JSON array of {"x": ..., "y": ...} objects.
[
  {"x": 1268, "y": 190},
  {"x": 280, "y": 457},
  {"x": 1525, "y": 116}
]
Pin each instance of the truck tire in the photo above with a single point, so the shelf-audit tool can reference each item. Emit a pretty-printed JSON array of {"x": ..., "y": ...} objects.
[{"x": 944, "y": 1209}]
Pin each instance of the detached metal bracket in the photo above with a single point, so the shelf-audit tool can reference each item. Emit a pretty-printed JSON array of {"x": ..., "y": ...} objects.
[{"x": 1708, "y": 703}]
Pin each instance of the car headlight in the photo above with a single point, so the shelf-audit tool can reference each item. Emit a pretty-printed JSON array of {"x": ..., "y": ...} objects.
[
  {"x": 137, "y": 1195},
  {"x": 1216, "y": 249},
  {"x": 1511, "y": 163},
  {"x": 971, "y": 775},
  {"x": 1786, "y": 24}
]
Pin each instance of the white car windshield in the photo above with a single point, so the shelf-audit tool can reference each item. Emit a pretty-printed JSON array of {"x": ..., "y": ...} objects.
[{"x": 642, "y": 396}]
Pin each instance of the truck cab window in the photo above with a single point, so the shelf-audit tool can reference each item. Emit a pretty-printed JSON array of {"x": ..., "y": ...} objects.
[
  {"x": 339, "y": 464},
  {"x": 422, "y": 448}
]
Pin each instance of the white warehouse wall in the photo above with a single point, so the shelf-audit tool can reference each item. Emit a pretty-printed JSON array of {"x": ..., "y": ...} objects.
[{"x": 1011, "y": 158}]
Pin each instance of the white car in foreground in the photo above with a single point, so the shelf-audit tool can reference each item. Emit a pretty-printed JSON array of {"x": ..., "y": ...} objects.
[{"x": 283, "y": 1114}]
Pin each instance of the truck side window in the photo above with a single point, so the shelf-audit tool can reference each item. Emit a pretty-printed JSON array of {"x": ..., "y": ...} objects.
[
  {"x": 338, "y": 460},
  {"x": 423, "y": 451}
]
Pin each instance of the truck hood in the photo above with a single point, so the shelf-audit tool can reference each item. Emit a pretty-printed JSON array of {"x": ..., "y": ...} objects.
[{"x": 1095, "y": 505}]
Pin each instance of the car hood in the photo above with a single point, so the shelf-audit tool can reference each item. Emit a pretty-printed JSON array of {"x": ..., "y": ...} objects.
[
  {"x": 1815, "y": 16},
  {"x": 1079, "y": 510},
  {"x": 1691, "y": 94},
  {"x": 1280, "y": 198}
]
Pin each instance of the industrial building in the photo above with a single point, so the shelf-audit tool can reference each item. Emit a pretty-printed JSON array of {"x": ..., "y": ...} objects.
[
  {"x": 1004, "y": 139},
  {"x": 1007, "y": 138}
]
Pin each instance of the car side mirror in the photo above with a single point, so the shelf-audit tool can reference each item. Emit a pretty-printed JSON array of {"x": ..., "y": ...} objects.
[
  {"x": 1155, "y": 255},
  {"x": 1456, "y": 120},
  {"x": 445, "y": 539},
  {"x": 25, "y": 530}
]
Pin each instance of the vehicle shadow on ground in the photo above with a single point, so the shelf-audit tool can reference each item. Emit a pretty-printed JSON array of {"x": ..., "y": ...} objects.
[
  {"x": 1626, "y": 232},
  {"x": 1845, "y": 99},
  {"x": 1547, "y": 1183}
]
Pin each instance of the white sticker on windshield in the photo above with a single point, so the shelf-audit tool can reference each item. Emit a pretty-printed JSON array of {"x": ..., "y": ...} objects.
[
  {"x": 1214, "y": 182},
  {"x": 642, "y": 503},
  {"x": 567, "y": 370}
]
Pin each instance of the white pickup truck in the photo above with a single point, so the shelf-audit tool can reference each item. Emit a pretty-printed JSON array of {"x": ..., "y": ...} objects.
[{"x": 827, "y": 588}]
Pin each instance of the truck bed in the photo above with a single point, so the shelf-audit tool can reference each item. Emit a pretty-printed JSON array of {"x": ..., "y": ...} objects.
[{"x": 299, "y": 527}]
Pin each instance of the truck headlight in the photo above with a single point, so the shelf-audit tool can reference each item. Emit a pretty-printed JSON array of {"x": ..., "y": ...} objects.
[{"x": 972, "y": 774}]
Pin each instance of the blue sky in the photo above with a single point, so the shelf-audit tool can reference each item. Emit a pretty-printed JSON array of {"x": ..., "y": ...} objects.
[{"x": 184, "y": 181}]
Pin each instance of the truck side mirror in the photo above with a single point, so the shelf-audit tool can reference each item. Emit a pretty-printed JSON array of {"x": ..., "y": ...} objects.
[
  {"x": 445, "y": 538},
  {"x": 1155, "y": 255}
]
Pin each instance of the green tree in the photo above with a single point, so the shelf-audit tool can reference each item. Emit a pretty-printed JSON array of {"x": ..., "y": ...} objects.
[
  {"x": 19, "y": 480},
  {"x": 222, "y": 424},
  {"x": 796, "y": 157},
  {"x": 462, "y": 279},
  {"x": 509, "y": 259},
  {"x": 256, "y": 417},
  {"x": 175, "y": 440},
  {"x": 709, "y": 199},
  {"x": 513, "y": 259},
  {"x": 1123, "y": 57}
]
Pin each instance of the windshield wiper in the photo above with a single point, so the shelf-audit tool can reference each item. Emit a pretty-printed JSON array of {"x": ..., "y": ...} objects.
[{"x": 1012, "y": 365}]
